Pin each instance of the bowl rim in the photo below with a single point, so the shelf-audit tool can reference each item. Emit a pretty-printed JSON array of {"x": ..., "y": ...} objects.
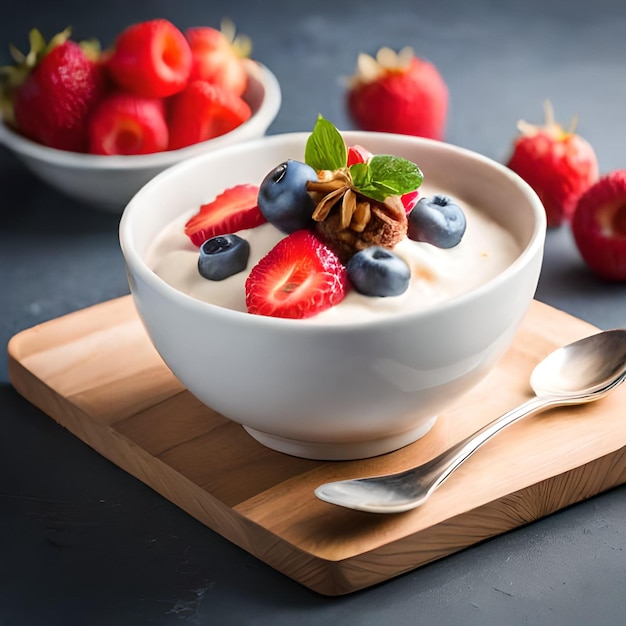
[
  {"x": 135, "y": 260},
  {"x": 266, "y": 113}
]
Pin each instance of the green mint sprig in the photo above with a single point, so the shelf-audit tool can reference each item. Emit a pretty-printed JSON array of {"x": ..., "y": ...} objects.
[{"x": 384, "y": 175}]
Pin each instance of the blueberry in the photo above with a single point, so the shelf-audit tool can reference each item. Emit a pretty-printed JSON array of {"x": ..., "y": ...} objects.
[
  {"x": 376, "y": 271},
  {"x": 283, "y": 198},
  {"x": 222, "y": 256},
  {"x": 437, "y": 220}
]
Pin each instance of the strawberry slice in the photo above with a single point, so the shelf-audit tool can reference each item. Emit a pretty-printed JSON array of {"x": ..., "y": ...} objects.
[
  {"x": 233, "y": 210},
  {"x": 203, "y": 111},
  {"x": 358, "y": 154},
  {"x": 409, "y": 200},
  {"x": 298, "y": 278}
]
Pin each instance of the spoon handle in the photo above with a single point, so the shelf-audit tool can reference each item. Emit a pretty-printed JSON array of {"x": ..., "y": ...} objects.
[{"x": 434, "y": 472}]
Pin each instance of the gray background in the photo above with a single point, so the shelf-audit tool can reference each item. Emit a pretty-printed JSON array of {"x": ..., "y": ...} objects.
[{"x": 81, "y": 542}]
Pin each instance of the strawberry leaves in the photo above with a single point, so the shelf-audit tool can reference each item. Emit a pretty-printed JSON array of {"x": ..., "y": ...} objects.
[{"x": 379, "y": 177}]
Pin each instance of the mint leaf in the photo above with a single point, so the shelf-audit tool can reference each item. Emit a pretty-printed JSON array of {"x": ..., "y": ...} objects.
[
  {"x": 325, "y": 148},
  {"x": 360, "y": 173},
  {"x": 386, "y": 176},
  {"x": 396, "y": 173}
]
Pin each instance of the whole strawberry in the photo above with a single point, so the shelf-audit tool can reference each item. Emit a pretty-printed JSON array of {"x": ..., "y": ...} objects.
[
  {"x": 599, "y": 226},
  {"x": 203, "y": 111},
  {"x": 218, "y": 56},
  {"x": 50, "y": 93},
  {"x": 558, "y": 164},
  {"x": 150, "y": 59},
  {"x": 123, "y": 123},
  {"x": 398, "y": 93}
]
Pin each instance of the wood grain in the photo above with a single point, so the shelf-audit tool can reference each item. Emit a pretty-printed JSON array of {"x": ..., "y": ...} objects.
[{"x": 96, "y": 373}]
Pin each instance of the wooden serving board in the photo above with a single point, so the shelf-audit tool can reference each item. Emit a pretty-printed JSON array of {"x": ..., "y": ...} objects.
[{"x": 96, "y": 373}]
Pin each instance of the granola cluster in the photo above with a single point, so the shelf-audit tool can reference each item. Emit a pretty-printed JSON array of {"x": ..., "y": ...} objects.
[{"x": 349, "y": 221}]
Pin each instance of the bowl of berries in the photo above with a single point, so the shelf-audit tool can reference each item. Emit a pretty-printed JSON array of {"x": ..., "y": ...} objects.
[
  {"x": 98, "y": 124},
  {"x": 333, "y": 292}
]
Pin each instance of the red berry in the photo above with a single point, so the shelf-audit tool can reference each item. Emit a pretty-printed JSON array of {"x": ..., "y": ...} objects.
[
  {"x": 298, "y": 278},
  {"x": 216, "y": 59},
  {"x": 151, "y": 59},
  {"x": 233, "y": 210},
  {"x": 409, "y": 200},
  {"x": 599, "y": 226},
  {"x": 52, "y": 104},
  {"x": 559, "y": 165},
  {"x": 358, "y": 154},
  {"x": 203, "y": 111},
  {"x": 127, "y": 124},
  {"x": 398, "y": 93}
]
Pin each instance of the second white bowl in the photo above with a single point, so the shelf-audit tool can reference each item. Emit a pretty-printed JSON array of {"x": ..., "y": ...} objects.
[{"x": 109, "y": 182}]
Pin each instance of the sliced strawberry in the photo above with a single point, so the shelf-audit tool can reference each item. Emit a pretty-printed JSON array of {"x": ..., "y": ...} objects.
[
  {"x": 233, "y": 210},
  {"x": 358, "y": 154},
  {"x": 216, "y": 59},
  {"x": 151, "y": 59},
  {"x": 203, "y": 111},
  {"x": 409, "y": 200},
  {"x": 298, "y": 278},
  {"x": 127, "y": 124}
]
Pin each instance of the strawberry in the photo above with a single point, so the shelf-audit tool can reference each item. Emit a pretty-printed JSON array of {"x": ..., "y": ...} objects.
[
  {"x": 233, "y": 210},
  {"x": 49, "y": 94},
  {"x": 218, "y": 56},
  {"x": 127, "y": 124},
  {"x": 409, "y": 200},
  {"x": 599, "y": 226},
  {"x": 150, "y": 59},
  {"x": 298, "y": 278},
  {"x": 559, "y": 165},
  {"x": 203, "y": 111},
  {"x": 398, "y": 93},
  {"x": 358, "y": 154}
]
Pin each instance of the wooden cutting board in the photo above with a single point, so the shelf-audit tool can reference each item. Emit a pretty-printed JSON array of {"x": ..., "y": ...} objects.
[{"x": 96, "y": 373}]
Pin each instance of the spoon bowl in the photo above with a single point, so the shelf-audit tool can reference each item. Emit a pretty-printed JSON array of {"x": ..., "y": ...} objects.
[
  {"x": 584, "y": 367},
  {"x": 580, "y": 372}
]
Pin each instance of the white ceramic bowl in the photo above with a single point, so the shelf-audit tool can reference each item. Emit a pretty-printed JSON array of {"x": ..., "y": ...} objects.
[
  {"x": 109, "y": 182},
  {"x": 334, "y": 391}
]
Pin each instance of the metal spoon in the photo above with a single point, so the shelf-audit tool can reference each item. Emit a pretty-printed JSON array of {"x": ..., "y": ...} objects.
[{"x": 583, "y": 371}]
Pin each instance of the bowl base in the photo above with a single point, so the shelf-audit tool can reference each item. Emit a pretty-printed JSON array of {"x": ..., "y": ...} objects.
[{"x": 332, "y": 451}]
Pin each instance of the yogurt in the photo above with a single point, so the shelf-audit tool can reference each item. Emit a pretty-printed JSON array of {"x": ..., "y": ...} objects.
[{"x": 436, "y": 274}]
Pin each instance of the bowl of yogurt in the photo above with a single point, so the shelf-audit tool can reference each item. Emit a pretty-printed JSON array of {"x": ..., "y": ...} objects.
[{"x": 367, "y": 375}]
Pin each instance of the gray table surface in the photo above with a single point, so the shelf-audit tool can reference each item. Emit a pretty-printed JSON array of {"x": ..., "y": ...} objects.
[{"x": 81, "y": 542}]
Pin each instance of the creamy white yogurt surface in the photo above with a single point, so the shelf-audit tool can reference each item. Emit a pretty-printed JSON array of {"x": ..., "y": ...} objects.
[{"x": 436, "y": 274}]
